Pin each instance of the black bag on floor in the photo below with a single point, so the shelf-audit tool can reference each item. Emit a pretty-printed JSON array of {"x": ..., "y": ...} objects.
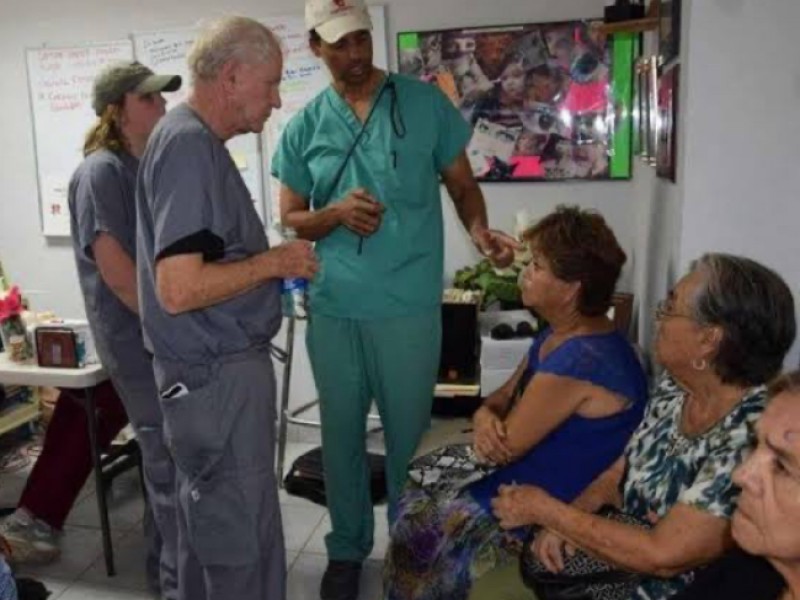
[
  {"x": 306, "y": 478},
  {"x": 30, "y": 589}
]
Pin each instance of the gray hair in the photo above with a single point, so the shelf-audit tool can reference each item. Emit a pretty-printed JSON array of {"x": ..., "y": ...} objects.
[
  {"x": 787, "y": 383},
  {"x": 233, "y": 37},
  {"x": 755, "y": 309}
]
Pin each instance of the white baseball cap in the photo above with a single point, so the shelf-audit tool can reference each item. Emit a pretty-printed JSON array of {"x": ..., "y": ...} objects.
[{"x": 334, "y": 19}]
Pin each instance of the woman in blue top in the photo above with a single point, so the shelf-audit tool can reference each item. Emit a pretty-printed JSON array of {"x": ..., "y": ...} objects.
[{"x": 562, "y": 418}]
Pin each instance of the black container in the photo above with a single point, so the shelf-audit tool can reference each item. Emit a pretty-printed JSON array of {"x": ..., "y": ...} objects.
[
  {"x": 460, "y": 343},
  {"x": 623, "y": 11}
]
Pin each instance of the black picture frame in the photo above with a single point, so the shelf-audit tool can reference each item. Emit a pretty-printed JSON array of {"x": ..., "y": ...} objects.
[
  {"x": 669, "y": 31},
  {"x": 666, "y": 153},
  {"x": 551, "y": 132}
]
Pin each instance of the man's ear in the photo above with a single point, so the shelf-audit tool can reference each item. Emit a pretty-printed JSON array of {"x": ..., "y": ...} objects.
[
  {"x": 316, "y": 47},
  {"x": 228, "y": 75}
]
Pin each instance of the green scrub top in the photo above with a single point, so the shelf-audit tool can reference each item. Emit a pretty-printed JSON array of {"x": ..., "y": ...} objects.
[{"x": 414, "y": 134}]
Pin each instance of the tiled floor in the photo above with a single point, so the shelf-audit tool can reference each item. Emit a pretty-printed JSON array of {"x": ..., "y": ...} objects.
[{"x": 80, "y": 572}]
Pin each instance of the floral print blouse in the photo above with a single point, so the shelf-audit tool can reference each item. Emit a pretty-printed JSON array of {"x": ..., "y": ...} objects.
[{"x": 665, "y": 467}]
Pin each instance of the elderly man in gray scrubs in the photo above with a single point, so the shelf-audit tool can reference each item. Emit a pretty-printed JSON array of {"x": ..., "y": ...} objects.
[{"x": 209, "y": 296}]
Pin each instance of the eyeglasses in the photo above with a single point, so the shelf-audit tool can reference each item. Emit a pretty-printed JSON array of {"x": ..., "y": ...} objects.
[{"x": 665, "y": 310}]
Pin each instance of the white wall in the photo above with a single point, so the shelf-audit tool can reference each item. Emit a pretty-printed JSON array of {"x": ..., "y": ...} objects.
[
  {"x": 659, "y": 205},
  {"x": 741, "y": 190}
]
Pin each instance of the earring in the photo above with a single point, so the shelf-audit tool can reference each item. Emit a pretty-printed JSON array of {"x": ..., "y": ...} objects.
[{"x": 699, "y": 364}]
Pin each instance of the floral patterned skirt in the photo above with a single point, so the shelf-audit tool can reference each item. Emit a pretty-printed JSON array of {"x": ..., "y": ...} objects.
[{"x": 440, "y": 544}]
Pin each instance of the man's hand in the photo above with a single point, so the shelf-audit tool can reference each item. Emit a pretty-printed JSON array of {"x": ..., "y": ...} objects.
[
  {"x": 497, "y": 246},
  {"x": 293, "y": 259},
  {"x": 490, "y": 437},
  {"x": 518, "y": 505},
  {"x": 360, "y": 212}
]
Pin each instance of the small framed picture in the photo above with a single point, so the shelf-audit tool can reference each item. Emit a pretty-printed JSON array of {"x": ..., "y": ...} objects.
[
  {"x": 652, "y": 112},
  {"x": 647, "y": 80},
  {"x": 642, "y": 108},
  {"x": 667, "y": 122},
  {"x": 636, "y": 116},
  {"x": 669, "y": 30},
  {"x": 636, "y": 139}
]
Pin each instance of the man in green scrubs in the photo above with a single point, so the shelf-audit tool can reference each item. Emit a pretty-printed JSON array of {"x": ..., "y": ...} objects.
[{"x": 371, "y": 201}]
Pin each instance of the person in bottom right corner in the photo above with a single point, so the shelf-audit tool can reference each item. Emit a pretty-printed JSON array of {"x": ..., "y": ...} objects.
[{"x": 766, "y": 524}]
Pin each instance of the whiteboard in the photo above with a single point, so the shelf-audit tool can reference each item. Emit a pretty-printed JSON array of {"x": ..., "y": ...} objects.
[
  {"x": 305, "y": 76},
  {"x": 60, "y": 87},
  {"x": 165, "y": 52}
]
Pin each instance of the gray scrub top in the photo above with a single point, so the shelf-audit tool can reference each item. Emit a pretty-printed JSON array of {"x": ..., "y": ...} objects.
[
  {"x": 188, "y": 188},
  {"x": 102, "y": 200}
]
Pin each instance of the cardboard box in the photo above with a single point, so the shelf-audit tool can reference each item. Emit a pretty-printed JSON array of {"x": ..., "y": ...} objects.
[{"x": 503, "y": 355}]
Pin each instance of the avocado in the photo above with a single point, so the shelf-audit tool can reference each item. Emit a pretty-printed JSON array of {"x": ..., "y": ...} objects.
[
  {"x": 525, "y": 329},
  {"x": 503, "y": 331}
]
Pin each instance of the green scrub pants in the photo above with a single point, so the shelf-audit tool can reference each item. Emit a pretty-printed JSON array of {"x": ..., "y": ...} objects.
[{"x": 395, "y": 362}]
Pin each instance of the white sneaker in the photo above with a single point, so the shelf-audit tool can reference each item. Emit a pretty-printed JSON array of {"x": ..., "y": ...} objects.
[{"x": 31, "y": 540}]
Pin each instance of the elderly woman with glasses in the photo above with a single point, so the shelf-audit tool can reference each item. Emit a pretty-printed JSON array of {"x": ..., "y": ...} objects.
[{"x": 723, "y": 333}]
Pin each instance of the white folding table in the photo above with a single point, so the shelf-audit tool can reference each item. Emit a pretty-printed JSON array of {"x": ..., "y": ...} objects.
[{"x": 76, "y": 380}]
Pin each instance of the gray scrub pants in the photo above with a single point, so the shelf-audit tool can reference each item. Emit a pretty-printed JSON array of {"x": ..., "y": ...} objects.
[
  {"x": 221, "y": 432},
  {"x": 134, "y": 382}
]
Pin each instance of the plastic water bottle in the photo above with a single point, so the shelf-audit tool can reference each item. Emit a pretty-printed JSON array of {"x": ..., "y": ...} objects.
[{"x": 294, "y": 288}]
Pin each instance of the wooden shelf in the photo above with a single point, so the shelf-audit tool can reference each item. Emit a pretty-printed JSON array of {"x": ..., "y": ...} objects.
[
  {"x": 17, "y": 415},
  {"x": 452, "y": 390},
  {"x": 634, "y": 26}
]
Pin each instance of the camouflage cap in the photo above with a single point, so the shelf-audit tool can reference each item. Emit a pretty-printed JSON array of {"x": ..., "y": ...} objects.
[{"x": 119, "y": 78}]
